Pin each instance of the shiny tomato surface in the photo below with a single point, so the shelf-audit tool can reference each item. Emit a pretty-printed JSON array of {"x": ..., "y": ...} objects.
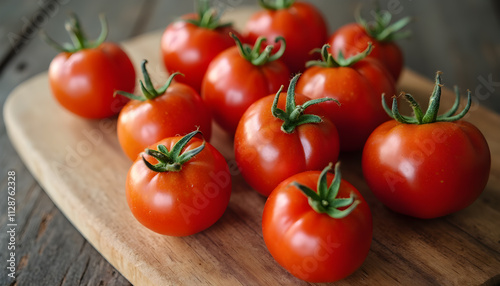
[
  {"x": 358, "y": 89},
  {"x": 179, "y": 111},
  {"x": 314, "y": 246},
  {"x": 428, "y": 170},
  {"x": 352, "y": 39},
  {"x": 83, "y": 82},
  {"x": 266, "y": 155},
  {"x": 302, "y": 26},
  {"x": 233, "y": 83},
  {"x": 184, "y": 202},
  {"x": 189, "y": 49}
]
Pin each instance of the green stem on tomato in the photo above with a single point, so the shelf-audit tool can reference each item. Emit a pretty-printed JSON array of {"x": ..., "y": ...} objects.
[
  {"x": 254, "y": 55},
  {"x": 172, "y": 161},
  {"x": 77, "y": 36},
  {"x": 208, "y": 17},
  {"x": 382, "y": 30},
  {"x": 147, "y": 88},
  {"x": 328, "y": 61},
  {"x": 293, "y": 115},
  {"x": 325, "y": 199},
  {"x": 431, "y": 114}
]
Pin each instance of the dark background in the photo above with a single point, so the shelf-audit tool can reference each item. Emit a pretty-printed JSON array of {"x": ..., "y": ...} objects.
[{"x": 459, "y": 38}]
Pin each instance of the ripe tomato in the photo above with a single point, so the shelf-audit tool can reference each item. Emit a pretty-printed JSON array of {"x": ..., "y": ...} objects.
[
  {"x": 175, "y": 109},
  {"x": 84, "y": 77},
  {"x": 353, "y": 38},
  {"x": 272, "y": 144},
  {"x": 300, "y": 23},
  {"x": 357, "y": 83},
  {"x": 317, "y": 233},
  {"x": 430, "y": 166},
  {"x": 189, "y": 45},
  {"x": 186, "y": 191},
  {"x": 239, "y": 76}
]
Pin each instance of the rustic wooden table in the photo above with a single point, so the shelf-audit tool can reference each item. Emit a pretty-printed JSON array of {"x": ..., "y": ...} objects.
[{"x": 460, "y": 38}]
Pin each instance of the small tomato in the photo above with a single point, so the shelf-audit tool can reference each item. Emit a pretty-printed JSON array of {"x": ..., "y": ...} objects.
[
  {"x": 277, "y": 138},
  {"x": 238, "y": 77},
  {"x": 172, "y": 110},
  {"x": 428, "y": 166},
  {"x": 357, "y": 83},
  {"x": 190, "y": 44},
  {"x": 179, "y": 187},
  {"x": 300, "y": 23},
  {"x": 317, "y": 233},
  {"x": 84, "y": 77},
  {"x": 353, "y": 38}
]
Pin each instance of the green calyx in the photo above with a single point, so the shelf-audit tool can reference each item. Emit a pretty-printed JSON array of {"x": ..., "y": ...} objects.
[
  {"x": 325, "y": 199},
  {"x": 276, "y": 4},
  {"x": 208, "y": 17},
  {"x": 255, "y": 56},
  {"x": 293, "y": 115},
  {"x": 327, "y": 60},
  {"x": 77, "y": 36},
  {"x": 382, "y": 29},
  {"x": 172, "y": 161},
  {"x": 431, "y": 115},
  {"x": 147, "y": 88}
]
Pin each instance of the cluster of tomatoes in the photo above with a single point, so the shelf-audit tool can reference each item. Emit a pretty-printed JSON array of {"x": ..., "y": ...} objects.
[{"x": 315, "y": 224}]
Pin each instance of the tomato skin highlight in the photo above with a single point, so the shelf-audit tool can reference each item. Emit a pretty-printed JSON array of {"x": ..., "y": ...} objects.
[
  {"x": 358, "y": 89},
  {"x": 232, "y": 84},
  {"x": 83, "y": 82},
  {"x": 266, "y": 155},
  {"x": 180, "y": 203},
  {"x": 302, "y": 26},
  {"x": 177, "y": 112},
  {"x": 428, "y": 170},
  {"x": 311, "y": 246},
  {"x": 189, "y": 49},
  {"x": 352, "y": 39}
]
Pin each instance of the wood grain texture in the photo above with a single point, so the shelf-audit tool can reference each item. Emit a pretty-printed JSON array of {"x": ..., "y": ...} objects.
[{"x": 83, "y": 170}]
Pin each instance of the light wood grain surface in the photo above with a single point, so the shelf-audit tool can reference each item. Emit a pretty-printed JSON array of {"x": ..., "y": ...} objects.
[
  {"x": 52, "y": 252},
  {"x": 83, "y": 170}
]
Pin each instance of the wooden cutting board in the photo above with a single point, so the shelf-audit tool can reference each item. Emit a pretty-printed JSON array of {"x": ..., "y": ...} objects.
[{"x": 80, "y": 165}]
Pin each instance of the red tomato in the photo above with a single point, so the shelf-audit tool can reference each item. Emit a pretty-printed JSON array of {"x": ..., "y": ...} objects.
[
  {"x": 239, "y": 76},
  {"x": 189, "y": 45},
  {"x": 353, "y": 38},
  {"x": 175, "y": 109},
  {"x": 84, "y": 77},
  {"x": 357, "y": 85},
  {"x": 427, "y": 167},
  {"x": 272, "y": 144},
  {"x": 317, "y": 236},
  {"x": 186, "y": 193},
  {"x": 300, "y": 23}
]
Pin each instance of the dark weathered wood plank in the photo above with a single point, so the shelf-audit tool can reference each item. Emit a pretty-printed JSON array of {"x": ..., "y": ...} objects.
[
  {"x": 464, "y": 46},
  {"x": 50, "y": 250},
  {"x": 17, "y": 25}
]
